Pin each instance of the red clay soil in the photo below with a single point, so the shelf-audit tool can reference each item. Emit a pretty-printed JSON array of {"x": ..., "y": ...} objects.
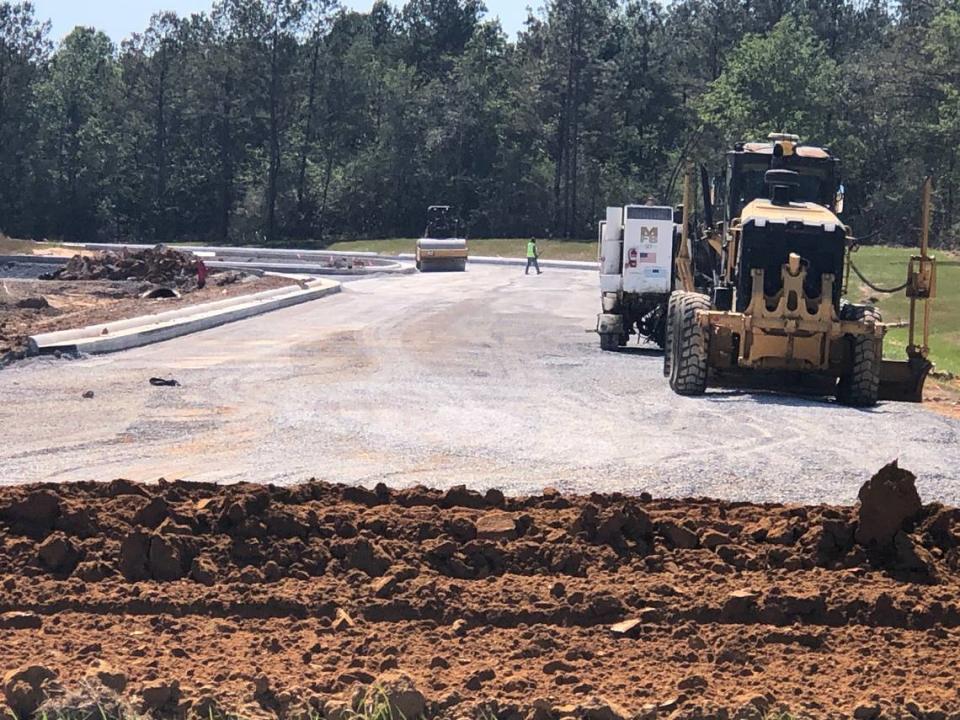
[
  {"x": 942, "y": 395},
  {"x": 192, "y": 599}
]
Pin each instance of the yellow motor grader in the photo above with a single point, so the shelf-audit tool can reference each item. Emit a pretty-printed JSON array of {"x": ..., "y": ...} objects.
[{"x": 759, "y": 296}]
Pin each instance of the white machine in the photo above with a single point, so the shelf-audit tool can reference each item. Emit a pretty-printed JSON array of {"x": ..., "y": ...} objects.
[{"x": 636, "y": 247}]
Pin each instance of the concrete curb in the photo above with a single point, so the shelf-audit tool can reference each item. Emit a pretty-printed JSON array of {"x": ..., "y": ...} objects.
[
  {"x": 555, "y": 264},
  {"x": 392, "y": 268},
  {"x": 496, "y": 260},
  {"x": 148, "y": 329},
  {"x": 235, "y": 250},
  {"x": 33, "y": 259},
  {"x": 279, "y": 260},
  {"x": 281, "y": 253}
]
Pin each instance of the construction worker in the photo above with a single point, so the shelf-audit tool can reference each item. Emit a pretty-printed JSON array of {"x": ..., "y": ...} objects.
[{"x": 532, "y": 256}]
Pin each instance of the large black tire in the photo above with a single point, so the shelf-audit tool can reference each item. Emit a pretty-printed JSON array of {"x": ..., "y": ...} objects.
[
  {"x": 668, "y": 334},
  {"x": 859, "y": 386},
  {"x": 609, "y": 341},
  {"x": 690, "y": 345}
]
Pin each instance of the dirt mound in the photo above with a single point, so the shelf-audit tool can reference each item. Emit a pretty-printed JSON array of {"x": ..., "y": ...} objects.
[
  {"x": 318, "y": 600},
  {"x": 888, "y": 502},
  {"x": 159, "y": 265}
]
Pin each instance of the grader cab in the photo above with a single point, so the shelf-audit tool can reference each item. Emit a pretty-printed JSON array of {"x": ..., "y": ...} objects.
[{"x": 762, "y": 297}]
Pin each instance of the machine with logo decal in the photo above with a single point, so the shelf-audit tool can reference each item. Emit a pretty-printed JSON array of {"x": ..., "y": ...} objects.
[{"x": 636, "y": 273}]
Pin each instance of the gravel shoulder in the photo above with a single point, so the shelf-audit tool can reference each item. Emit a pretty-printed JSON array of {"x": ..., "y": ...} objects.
[{"x": 487, "y": 378}]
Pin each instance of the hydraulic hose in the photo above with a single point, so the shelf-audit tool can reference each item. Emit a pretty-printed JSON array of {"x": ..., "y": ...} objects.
[{"x": 875, "y": 288}]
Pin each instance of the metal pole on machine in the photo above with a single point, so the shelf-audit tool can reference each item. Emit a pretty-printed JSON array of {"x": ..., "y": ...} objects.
[
  {"x": 922, "y": 278},
  {"x": 904, "y": 380},
  {"x": 683, "y": 260}
]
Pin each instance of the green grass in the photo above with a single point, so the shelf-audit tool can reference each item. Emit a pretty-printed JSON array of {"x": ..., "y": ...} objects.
[
  {"x": 549, "y": 249},
  {"x": 887, "y": 267},
  {"x": 11, "y": 246}
]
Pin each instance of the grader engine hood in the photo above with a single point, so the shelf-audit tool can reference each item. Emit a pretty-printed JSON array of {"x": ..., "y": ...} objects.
[{"x": 770, "y": 233}]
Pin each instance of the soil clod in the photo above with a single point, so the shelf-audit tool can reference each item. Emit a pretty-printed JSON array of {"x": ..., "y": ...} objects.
[{"x": 888, "y": 501}]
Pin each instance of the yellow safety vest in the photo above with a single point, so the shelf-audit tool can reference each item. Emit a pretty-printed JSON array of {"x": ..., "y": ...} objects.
[{"x": 531, "y": 249}]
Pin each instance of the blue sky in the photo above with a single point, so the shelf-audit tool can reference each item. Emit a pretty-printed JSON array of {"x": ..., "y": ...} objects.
[{"x": 119, "y": 18}]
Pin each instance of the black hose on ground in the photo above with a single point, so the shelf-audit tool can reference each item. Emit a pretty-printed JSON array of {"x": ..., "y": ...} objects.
[{"x": 875, "y": 288}]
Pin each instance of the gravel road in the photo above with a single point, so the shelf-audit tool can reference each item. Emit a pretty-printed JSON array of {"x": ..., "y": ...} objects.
[
  {"x": 487, "y": 378},
  {"x": 24, "y": 270}
]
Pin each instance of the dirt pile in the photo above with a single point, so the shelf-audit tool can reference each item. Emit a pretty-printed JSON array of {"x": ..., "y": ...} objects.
[
  {"x": 318, "y": 600},
  {"x": 889, "y": 501},
  {"x": 159, "y": 265}
]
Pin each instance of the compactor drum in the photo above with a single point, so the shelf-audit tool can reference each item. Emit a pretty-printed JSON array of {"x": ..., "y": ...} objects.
[{"x": 440, "y": 249}]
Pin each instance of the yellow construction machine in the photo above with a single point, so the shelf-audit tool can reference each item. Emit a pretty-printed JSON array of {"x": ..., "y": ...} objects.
[
  {"x": 759, "y": 296},
  {"x": 440, "y": 249}
]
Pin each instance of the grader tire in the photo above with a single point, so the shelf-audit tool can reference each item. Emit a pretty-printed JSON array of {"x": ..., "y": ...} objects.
[
  {"x": 609, "y": 341},
  {"x": 690, "y": 345},
  {"x": 859, "y": 386},
  {"x": 668, "y": 335}
]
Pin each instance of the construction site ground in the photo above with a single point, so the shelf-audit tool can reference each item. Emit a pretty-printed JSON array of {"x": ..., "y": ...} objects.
[
  {"x": 248, "y": 601},
  {"x": 489, "y": 378},
  {"x": 564, "y": 583},
  {"x": 77, "y": 304}
]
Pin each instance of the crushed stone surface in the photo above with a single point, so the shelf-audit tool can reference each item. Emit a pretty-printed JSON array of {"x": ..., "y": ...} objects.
[{"x": 487, "y": 378}]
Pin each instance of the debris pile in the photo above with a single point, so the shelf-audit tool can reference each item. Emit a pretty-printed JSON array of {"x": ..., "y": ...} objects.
[
  {"x": 336, "y": 600},
  {"x": 159, "y": 265},
  {"x": 32, "y": 307},
  {"x": 15, "y": 301}
]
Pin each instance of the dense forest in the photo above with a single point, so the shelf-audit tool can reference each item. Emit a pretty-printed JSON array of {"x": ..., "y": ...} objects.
[{"x": 297, "y": 121}]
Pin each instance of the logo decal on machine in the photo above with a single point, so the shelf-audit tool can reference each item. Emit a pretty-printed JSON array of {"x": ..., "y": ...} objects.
[
  {"x": 634, "y": 258},
  {"x": 648, "y": 235}
]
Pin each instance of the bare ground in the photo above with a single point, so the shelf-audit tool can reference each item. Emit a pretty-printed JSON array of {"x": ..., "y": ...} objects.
[
  {"x": 275, "y": 601},
  {"x": 76, "y": 304}
]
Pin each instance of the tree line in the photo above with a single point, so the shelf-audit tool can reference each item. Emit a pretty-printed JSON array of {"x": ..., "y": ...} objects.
[{"x": 297, "y": 121}]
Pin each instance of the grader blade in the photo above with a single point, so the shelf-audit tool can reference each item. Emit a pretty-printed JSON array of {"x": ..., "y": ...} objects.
[{"x": 903, "y": 380}]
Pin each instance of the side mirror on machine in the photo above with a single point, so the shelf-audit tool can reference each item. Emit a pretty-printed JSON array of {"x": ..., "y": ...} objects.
[{"x": 838, "y": 201}]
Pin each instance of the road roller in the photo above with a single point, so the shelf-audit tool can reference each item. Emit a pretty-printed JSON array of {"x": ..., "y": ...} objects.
[{"x": 440, "y": 249}]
